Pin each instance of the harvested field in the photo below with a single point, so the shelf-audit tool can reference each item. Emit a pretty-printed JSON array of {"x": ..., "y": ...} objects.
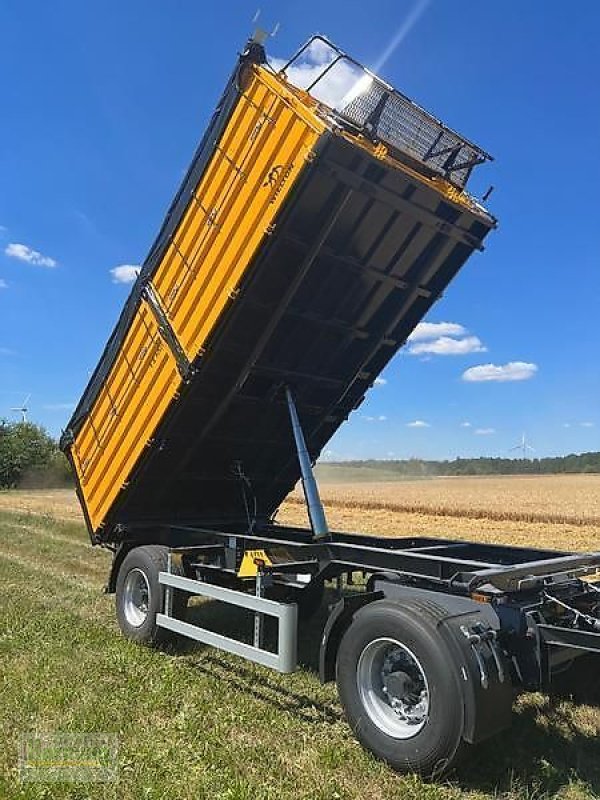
[{"x": 55, "y": 503}]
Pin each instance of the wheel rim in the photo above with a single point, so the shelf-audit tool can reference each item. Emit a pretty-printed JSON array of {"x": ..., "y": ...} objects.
[
  {"x": 136, "y": 597},
  {"x": 393, "y": 688}
]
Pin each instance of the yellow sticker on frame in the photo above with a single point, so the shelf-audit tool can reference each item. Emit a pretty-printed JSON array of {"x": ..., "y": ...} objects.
[{"x": 249, "y": 567}]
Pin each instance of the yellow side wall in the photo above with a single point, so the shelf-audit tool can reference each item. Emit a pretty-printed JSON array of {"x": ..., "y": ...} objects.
[{"x": 260, "y": 155}]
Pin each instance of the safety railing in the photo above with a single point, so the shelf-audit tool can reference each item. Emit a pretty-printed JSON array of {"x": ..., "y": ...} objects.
[{"x": 365, "y": 102}]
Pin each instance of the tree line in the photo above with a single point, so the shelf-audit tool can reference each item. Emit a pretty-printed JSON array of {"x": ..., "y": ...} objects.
[
  {"x": 415, "y": 467},
  {"x": 30, "y": 458}
]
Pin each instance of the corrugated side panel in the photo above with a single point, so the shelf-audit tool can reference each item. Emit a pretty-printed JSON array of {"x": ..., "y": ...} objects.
[
  {"x": 267, "y": 141},
  {"x": 141, "y": 384},
  {"x": 257, "y": 161}
]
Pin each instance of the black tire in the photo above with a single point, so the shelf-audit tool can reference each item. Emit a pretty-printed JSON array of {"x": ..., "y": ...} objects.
[
  {"x": 436, "y": 745},
  {"x": 146, "y": 561}
]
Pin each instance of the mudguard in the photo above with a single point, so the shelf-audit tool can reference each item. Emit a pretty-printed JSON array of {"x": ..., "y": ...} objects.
[{"x": 470, "y": 630}]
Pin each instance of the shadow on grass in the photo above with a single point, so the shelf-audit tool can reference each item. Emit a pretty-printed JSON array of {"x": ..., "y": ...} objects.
[
  {"x": 236, "y": 623},
  {"x": 302, "y": 706},
  {"x": 547, "y": 747}
]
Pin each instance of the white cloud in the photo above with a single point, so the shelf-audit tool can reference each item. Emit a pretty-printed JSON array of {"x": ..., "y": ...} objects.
[
  {"x": 25, "y": 253},
  {"x": 338, "y": 87},
  {"x": 59, "y": 406},
  {"x": 3, "y": 284},
  {"x": 513, "y": 371},
  {"x": 447, "y": 346},
  {"x": 484, "y": 431},
  {"x": 443, "y": 339},
  {"x": 433, "y": 330},
  {"x": 418, "y": 423},
  {"x": 465, "y": 424},
  {"x": 380, "y": 418},
  {"x": 6, "y": 351},
  {"x": 566, "y": 424},
  {"x": 125, "y": 273},
  {"x": 587, "y": 424},
  {"x": 379, "y": 382}
]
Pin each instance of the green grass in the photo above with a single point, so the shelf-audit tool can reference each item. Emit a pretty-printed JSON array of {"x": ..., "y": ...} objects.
[{"x": 201, "y": 724}]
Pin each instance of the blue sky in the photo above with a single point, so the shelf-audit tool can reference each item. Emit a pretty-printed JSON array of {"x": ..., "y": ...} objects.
[{"x": 103, "y": 103}]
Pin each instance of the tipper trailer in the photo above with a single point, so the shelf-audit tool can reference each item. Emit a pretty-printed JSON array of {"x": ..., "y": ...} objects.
[{"x": 310, "y": 235}]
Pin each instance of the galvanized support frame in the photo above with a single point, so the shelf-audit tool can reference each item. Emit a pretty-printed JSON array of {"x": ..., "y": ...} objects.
[
  {"x": 150, "y": 295},
  {"x": 284, "y": 660}
]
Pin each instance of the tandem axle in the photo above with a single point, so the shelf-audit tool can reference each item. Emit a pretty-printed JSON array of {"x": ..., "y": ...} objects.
[{"x": 429, "y": 640}]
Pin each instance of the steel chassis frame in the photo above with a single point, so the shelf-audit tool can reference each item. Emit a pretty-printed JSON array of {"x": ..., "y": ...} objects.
[{"x": 450, "y": 565}]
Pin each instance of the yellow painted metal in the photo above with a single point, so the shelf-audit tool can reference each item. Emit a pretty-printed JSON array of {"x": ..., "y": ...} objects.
[
  {"x": 142, "y": 382},
  {"x": 251, "y": 560},
  {"x": 259, "y": 157},
  {"x": 267, "y": 141}
]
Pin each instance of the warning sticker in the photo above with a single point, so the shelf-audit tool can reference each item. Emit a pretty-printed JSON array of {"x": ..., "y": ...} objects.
[{"x": 250, "y": 561}]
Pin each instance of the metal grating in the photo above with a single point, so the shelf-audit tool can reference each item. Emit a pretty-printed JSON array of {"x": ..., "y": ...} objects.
[
  {"x": 391, "y": 118},
  {"x": 385, "y": 115}
]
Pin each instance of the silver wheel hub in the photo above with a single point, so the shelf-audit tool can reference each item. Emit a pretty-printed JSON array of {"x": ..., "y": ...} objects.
[
  {"x": 393, "y": 688},
  {"x": 136, "y": 597}
]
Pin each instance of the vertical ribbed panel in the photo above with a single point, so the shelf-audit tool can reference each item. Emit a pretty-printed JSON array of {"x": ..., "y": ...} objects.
[{"x": 259, "y": 156}]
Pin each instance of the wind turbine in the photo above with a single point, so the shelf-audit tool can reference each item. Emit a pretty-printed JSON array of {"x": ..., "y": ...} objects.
[
  {"x": 22, "y": 409},
  {"x": 523, "y": 446}
]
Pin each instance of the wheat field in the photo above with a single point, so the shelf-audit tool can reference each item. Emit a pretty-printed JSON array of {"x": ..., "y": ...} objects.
[
  {"x": 560, "y": 511},
  {"x": 548, "y": 498}
]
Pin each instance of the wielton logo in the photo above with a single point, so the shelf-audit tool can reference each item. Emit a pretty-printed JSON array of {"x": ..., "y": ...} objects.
[
  {"x": 277, "y": 177},
  {"x": 273, "y": 175}
]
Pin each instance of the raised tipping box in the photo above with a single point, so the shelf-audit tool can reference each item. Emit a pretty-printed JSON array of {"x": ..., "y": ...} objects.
[{"x": 302, "y": 249}]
